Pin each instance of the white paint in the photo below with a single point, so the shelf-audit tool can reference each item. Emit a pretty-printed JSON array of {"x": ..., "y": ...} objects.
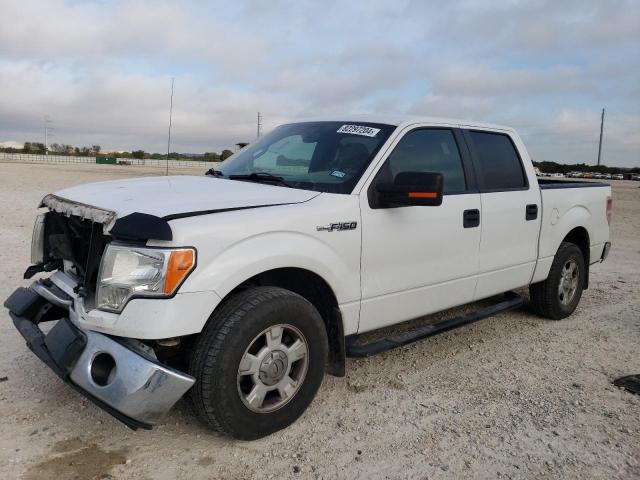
[{"x": 396, "y": 265}]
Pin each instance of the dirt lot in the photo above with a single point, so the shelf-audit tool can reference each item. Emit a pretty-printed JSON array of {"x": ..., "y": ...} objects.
[{"x": 513, "y": 396}]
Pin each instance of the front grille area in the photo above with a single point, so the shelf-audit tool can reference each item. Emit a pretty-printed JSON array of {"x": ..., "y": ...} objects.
[{"x": 76, "y": 240}]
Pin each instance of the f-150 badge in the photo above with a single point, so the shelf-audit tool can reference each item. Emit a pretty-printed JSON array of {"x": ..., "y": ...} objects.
[{"x": 332, "y": 227}]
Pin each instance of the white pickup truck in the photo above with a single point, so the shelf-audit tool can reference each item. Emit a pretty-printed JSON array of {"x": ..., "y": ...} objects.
[{"x": 244, "y": 285}]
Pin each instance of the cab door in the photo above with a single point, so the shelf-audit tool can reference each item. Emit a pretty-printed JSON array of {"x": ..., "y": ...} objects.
[
  {"x": 511, "y": 212},
  {"x": 420, "y": 259}
]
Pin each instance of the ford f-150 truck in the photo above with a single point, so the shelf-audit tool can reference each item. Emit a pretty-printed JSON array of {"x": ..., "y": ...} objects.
[{"x": 242, "y": 287}]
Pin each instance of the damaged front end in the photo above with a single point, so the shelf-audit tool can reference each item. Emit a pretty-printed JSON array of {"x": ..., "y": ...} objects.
[
  {"x": 121, "y": 375},
  {"x": 118, "y": 375},
  {"x": 71, "y": 208},
  {"x": 70, "y": 236}
]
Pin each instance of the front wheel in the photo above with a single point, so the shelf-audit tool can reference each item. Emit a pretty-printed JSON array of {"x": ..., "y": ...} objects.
[
  {"x": 558, "y": 296},
  {"x": 258, "y": 363}
]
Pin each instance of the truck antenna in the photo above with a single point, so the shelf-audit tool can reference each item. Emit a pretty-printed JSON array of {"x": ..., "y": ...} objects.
[
  {"x": 259, "y": 132},
  {"x": 170, "y": 114}
]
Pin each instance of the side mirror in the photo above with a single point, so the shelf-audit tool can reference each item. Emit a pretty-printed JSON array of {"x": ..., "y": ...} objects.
[{"x": 409, "y": 189}]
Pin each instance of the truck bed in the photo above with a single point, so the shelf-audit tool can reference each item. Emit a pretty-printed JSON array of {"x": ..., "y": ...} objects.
[
  {"x": 567, "y": 205},
  {"x": 547, "y": 184}
]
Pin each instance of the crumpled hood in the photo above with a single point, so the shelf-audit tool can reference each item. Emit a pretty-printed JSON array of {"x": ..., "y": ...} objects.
[{"x": 170, "y": 196}]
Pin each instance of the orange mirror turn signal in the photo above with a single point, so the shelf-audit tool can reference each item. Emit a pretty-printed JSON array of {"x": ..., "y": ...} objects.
[{"x": 423, "y": 195}]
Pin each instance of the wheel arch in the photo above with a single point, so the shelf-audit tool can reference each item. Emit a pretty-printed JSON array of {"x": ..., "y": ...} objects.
[
  {"x": 318, "y": 292},
  {"x": 579, "y": 236},
  {"x": 570, "y": 228}
]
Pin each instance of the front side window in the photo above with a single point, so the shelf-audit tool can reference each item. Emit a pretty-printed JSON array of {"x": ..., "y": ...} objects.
[
  {"x": 497, "y": 161},
  {"x": 428, "y": 150},
  {"x": 320, "y": 156}
]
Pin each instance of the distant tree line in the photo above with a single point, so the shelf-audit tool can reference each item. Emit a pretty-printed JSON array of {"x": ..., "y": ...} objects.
[
  {"x": 553, "y": 167},
  {"x": 95, "y": 150},
  {"x": 206, "y": 157},
  {"x": 38, "y": 148}
]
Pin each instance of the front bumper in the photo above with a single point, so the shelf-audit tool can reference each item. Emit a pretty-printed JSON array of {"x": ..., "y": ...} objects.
[{"x": 124, "y": 381}]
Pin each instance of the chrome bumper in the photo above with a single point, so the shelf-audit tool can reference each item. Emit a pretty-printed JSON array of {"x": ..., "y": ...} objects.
[
  {"x": 124, "y": 381},
  {"x": 136, "y": 386}
]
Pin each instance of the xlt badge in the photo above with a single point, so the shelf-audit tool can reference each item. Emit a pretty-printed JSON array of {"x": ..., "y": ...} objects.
[{"x": 337, "y": 226}]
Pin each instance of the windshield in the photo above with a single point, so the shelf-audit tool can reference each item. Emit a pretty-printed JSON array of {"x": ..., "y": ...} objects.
[{"x": 320, "y": 156}]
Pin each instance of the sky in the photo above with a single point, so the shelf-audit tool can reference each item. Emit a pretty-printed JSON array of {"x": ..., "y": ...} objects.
[{"x": 101, "y": 70}]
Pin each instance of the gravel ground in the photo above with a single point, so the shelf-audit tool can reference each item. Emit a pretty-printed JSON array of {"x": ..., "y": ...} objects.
[{"x": 513, "y": 396}]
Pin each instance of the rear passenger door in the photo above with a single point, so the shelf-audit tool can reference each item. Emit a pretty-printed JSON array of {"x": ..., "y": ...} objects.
[{"x": 510, "y": 221}]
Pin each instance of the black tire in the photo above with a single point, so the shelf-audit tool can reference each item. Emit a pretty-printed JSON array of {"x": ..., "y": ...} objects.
[
  {"x": 545, "y": 298},
  {"x": 216, "y": 356}
]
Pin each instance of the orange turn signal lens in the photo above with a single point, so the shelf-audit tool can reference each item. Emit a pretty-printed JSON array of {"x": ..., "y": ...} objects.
[
  {"x": 180, "y": 263},
  {"x": 423, "y": 195}
]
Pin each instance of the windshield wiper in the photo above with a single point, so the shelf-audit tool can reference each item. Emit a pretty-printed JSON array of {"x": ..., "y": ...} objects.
[
  {"x": 261, "y": 177},
  {"x": 215, "y": 173}
]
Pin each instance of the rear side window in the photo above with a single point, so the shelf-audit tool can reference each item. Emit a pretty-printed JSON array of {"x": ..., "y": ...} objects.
[
  {"x": 429, "y": 150},
  {"x": 499, "y": 166}
]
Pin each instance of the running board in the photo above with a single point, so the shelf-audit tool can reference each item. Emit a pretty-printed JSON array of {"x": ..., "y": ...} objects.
[{"x": 511, "y": 301}]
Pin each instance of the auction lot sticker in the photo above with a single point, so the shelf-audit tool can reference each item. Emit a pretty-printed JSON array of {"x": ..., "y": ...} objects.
[{"x": 359, "y": 130}]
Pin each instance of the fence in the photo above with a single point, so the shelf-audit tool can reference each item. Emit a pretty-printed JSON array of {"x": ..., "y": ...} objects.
[{"x": 136, "y": 162}]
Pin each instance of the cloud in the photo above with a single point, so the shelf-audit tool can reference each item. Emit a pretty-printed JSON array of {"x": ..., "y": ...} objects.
[
  {"x": 126, "y": 110},
  {"x": 571, "y": 136},
  {"x": 102, "y": 70},
  {"x": 92, "y": 33},
  {"x": 482, "y": 80}
]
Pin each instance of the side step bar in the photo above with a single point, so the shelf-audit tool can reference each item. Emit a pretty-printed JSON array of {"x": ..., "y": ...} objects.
[{"x": 511, "y": 301}]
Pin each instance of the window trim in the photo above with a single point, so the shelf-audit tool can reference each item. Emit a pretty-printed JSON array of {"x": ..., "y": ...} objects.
[
  {"x": 468, "y": 167},
  {"x": 463, "y": 152},
  {"x": 466, "y": 133}
]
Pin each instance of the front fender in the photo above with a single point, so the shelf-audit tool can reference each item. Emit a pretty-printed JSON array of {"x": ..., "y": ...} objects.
[{"x": 282, "y": 249}]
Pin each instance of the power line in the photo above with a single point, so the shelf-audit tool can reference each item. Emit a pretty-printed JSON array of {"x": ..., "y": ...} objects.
[
  {"x": 600, "y": 142},
  {"x": 47, "y": 128}
]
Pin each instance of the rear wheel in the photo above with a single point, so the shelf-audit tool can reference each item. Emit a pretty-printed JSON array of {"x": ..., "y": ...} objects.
[
  {"x": 258, "y": 363},
  {"x": 558, "y": 296}
]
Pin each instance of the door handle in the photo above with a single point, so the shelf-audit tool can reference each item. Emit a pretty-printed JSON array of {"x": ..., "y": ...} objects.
[
  {"x": 531, "y": 212},
  {"x": 471, "y": 218}
]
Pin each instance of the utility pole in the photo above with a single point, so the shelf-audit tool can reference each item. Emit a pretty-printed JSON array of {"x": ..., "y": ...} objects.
[
  {"x": 600, "y": 142},
  {"x": 170, "y": 114},
  {"x": 47, "y": 121},
  {"x": 259, "y": 133}
]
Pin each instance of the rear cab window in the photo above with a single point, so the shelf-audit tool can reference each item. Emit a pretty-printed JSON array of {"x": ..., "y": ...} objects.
[{"x": 498, "y": 164}]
